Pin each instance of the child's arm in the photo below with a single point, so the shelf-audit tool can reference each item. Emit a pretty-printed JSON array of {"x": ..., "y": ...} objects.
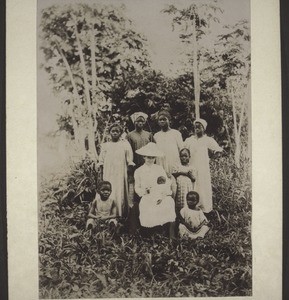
[
  {"x": 177, "y": 173},
  {"x": 191, "y": 176},
  {"x": 200, "y": 226},
  {"x": 183, "y": 221}
]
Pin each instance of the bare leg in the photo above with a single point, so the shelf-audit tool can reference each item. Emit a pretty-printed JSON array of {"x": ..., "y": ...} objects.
[{"x": 172, "y": 228}]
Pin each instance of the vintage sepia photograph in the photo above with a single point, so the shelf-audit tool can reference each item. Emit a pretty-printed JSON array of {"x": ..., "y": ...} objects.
[{"x": 144, "y": 148}]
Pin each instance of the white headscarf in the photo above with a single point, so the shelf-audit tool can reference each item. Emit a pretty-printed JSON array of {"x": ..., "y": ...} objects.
[
  {"x": 201, "y": 121},
  {"x": 136, "y": 115}
]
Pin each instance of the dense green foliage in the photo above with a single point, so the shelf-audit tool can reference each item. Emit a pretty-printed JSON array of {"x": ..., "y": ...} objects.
[
  {"x": 74, "y": 264},
  {"x": 99, "y": 67}
]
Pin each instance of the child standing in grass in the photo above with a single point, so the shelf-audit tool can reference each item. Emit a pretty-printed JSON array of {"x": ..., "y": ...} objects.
[
  {"x": 116, "y": 165},
  {"x": 103, "y": 207},
  {"x": 193, "y": 221},
  {"x": 185, "y": 176}
]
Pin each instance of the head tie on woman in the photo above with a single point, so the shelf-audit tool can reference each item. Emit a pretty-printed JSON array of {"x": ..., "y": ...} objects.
[
  {"x": 115, "y": 125},
  {"x": 165, "y": 113},
  {"x": 134, "y": 117},
  {"x": 202, "y": 122}
]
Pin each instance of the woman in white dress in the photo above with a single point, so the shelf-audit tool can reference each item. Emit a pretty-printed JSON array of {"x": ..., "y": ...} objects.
[
  {"x": 157, "y": 207},
  {"x": 170, "y": 142},
  {"x": 199, "y": 144}
]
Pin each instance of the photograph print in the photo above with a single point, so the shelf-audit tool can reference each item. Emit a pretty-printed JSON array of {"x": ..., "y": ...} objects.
[{"x": 144, "y": 148}]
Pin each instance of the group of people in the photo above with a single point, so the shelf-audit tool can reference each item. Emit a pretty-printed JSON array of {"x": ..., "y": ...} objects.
[{"x": 156, "y": 180}]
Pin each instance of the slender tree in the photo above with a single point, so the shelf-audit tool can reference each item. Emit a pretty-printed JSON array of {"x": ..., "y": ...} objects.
[
  {"x": 194, "y": 21},
  {"x": 234, "y": 50},
  {"x": 87, "y": 50}
]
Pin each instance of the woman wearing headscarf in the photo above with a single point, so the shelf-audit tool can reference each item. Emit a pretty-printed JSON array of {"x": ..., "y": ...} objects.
[{"x": 199, "y": 144}]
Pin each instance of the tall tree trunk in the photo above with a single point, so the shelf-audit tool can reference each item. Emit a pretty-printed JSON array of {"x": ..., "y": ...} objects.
[
  {"x": 78, "y": 140},
  {"x": 94, "y": 81},
  {"x": 91, "y": 133},
  {"x": 93, "y": 64},
  {"x": 195, "y": 68},
  {"x": 236, "y": 132}
]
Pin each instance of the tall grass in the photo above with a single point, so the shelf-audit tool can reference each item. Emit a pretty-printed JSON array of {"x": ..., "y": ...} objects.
[{"x": 74, "y": 264}]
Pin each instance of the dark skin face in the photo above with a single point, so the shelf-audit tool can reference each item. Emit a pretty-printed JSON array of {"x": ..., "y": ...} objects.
[
  {"x": 139, "y": 124},
  {"x": 115, "y": 134},
  {"x": 192, "y": 201},
  {"x": 199, "y": 129},
  {"x": 161, "y": 180},
  {"x": 104, "y": 192},
  {"x": 185, "y": 157},
  {"x": 163, "y": 123}
]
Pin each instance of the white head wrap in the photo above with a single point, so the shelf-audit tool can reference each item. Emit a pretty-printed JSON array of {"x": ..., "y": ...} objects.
[
  {"x": 201, "y": 121},
  {"x": 136, "y": 115}
]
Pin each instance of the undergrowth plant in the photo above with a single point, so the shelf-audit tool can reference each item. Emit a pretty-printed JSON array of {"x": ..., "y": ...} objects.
[{"x": 75, "y": 264}]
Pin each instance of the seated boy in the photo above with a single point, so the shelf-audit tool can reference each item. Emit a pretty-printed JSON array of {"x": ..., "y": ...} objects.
[
  {"x": 193, "y": 221},
  {"x": 103, "y": 208}
]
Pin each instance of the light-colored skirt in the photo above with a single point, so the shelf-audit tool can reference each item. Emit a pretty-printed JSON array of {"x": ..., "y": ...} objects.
[{"x": 153, "y": 214}]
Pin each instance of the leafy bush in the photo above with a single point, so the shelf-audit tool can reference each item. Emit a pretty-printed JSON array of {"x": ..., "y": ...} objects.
[{"x": 76, "y": 264}]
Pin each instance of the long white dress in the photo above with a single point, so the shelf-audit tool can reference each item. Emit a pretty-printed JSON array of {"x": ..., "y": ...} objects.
[
  {"x": 200, "y": 161},
  {"x": 115, "y": 157},
  {"x": 170, "y": 142},
  {"x": 151, "y": 213}
]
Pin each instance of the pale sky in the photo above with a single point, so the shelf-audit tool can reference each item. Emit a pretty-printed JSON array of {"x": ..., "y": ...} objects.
[{"x": 164, "y": 45}]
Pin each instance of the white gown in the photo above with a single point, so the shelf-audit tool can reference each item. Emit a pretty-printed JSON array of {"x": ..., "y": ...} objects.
[
  {"x": 170, "y": 142},
  {"x": 115, "y": 157},
  {"x": 200, "y": 161}
]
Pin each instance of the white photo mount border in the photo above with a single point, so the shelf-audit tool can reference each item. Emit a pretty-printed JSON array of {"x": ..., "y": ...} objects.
[{"x": 22, "y": 210}]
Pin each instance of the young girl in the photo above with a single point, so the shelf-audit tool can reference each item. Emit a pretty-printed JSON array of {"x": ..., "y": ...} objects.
[
  {"x": 116, "y": 162},
  {"x": 185, "y": 177},
  {"x": 156, "y": 207},
  {"x": 192, "y": 219}
]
